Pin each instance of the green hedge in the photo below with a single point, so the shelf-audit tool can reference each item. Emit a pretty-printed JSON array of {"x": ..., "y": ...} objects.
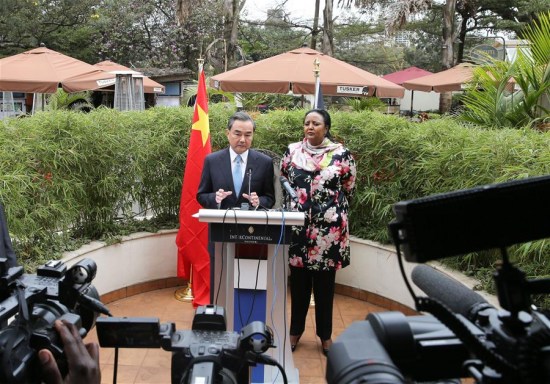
[{"x": 69, "y": 175}]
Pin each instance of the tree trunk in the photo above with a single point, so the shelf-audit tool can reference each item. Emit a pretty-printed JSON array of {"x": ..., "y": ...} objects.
[
  {"x": 448, "y": 34},
  {"x": 447, "y": 58},
  {"x": 182, "y": 10},
  {"x": 315, "y": 30},
  {"x": 232, "y": 10},
  {"x": 327, "y": 46},
  {"x": 462, "y": 39},
  {"x": 445, "y": 102}
]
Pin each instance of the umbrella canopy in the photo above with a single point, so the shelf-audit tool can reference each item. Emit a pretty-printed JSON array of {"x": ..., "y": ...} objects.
[
  {"x": 149, "y": 85},
  {"x": 42, "y": 70},
  {"x": 449, "y": 80},
  {"x": 293, "y": 71},
  {"x": 410, "y": 73}
]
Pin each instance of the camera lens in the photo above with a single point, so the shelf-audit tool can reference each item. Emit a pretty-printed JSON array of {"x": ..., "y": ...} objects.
[{"x": 83, "y": 272}]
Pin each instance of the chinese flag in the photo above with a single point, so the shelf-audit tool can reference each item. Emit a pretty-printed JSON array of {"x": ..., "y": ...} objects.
[{"x": 192, "y": 237}]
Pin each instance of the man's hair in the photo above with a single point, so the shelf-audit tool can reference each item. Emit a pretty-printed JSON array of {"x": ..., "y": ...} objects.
[{"x": 240, "y": 116}]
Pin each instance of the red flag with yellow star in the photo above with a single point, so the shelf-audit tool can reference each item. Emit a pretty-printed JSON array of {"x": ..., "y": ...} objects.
[{"x": 192, "y": 237}]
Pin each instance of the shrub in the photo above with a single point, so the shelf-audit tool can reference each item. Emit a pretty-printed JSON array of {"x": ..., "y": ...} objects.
[{"x": 68, "y": 175}]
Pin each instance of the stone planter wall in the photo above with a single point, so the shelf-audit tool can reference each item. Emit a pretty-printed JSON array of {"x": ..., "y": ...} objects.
[
  {"x": 141, "y": 262},
  {"x": 374, "y": 276},
  {"x": 147, "y": 261}
]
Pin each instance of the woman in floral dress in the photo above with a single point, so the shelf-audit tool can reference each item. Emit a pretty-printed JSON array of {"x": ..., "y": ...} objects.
[{"x": 322, "y": 172}]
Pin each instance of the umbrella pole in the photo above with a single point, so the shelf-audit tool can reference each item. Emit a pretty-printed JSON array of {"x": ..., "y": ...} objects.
[{"x": 412, "y": 98}]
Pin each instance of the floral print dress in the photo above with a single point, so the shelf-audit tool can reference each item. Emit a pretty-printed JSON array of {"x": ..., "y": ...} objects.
[{"x": 324, "y": 180}]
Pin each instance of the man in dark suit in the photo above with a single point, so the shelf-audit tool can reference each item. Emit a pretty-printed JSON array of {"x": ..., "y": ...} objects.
[
  {"x": 252, "y": 171},
  {"x": 237, "y": 167},
  {"x": 6, "y": 249}
]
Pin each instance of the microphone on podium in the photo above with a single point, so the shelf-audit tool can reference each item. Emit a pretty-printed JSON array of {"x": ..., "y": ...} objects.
[
  {"x": 247, "y": 206},
  {"x": 286, "y": 186}
]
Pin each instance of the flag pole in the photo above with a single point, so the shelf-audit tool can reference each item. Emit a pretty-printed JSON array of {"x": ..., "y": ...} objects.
[
  {"x": 316, "y": 71},
  {"x": 318, "y": 94},
  {"x": 186, "y": 294}
]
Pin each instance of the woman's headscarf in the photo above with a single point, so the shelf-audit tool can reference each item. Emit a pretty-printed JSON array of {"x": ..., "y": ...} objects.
[{"x": 314, "y": 157}]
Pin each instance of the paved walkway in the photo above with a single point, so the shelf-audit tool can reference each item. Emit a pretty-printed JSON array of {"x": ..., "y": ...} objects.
[{"x": 153, "y": 365}]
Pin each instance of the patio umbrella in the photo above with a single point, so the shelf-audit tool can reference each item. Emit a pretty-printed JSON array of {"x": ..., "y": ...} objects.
[
  {"x": 407, "y": 74},
  {"x": 149, "y": 85},
  {"x": 293, "y": 71},
  {"x": 42, "y": 70},
  {"x": 449, "y": 80}
]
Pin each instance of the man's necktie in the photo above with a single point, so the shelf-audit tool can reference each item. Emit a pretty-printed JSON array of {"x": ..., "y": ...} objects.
[{"x": 238, "y": 174}]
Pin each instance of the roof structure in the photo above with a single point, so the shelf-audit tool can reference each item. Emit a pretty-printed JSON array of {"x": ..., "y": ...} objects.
[
  {"x": 149, "y": 85},
  {"x": 407, "y": 74}
]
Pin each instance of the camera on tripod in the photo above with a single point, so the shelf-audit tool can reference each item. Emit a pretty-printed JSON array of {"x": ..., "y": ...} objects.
[
  {"x": 464, "y": 336},
  {"x": 35, "y": 302},
  {"x": 206, "y": 354}
]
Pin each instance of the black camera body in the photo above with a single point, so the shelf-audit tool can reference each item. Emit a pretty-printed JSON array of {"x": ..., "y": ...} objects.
[
  {"x": 36, "y": 301},
  {"x": 464, "y": 336},
  {"x": 207, "y": 353},
  {"x": 391, "y": 348}
]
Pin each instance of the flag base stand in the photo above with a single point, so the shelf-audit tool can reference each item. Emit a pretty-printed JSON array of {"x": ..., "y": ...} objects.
[{"x": 184, "y": 294}]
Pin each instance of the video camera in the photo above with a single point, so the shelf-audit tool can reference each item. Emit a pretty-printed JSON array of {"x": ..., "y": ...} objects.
[
  {"x": 36, "y": 302},
  {"x": 464, "y": 336},
  {"x": 206, "y": 354}
]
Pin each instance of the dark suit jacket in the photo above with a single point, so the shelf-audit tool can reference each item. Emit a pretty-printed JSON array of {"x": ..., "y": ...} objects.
[
  {"x": 6, "y": 249},
  {"x": 216, "y": 174}
]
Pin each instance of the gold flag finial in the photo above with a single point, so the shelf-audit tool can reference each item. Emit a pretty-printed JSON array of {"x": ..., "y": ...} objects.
[{"x": 316, "y": 64}]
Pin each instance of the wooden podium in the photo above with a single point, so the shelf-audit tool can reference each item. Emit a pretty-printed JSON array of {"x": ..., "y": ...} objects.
[{"x": 250, "y": 258}]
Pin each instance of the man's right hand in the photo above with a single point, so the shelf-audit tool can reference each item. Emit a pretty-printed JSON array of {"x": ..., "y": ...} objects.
[{"x": 221, "y": 194}]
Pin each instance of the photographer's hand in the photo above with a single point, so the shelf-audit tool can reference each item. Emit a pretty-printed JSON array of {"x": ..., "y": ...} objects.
[{"x": 82, "y": 359}]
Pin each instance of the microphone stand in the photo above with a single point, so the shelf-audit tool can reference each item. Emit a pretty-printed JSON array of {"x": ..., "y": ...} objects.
[
  {"x": 286, "y": 202},
  {"x": 249, "y": 192},
  {"x": 247, "y": 206}
]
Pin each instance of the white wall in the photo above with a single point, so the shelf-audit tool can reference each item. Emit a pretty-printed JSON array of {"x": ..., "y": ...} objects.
[
  {"x": 375, "y": 268},
  {"x": 422, "y": 101},
  {"x": 168, "y": 101},
  {"x": 139, "y": 258}
]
